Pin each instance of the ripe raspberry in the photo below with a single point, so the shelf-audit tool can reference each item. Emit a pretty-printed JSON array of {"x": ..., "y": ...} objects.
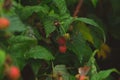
[
  {"x": 61, "y": 41},
  {"x": 62, "y": 48},
  {"x": 14, "y": 73},
  {"x": 83, "y": 77},
  {"x": 4, "y": 23}
]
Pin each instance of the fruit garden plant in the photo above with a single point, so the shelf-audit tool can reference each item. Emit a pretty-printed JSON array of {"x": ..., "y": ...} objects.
[{"x": 55, "y": 45}]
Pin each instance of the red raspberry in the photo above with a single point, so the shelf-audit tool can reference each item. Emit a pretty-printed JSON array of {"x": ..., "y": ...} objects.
[
  {"x": 61, "y": 41},
  {"x": 62, "y": 48},
  {"x": 82, "y": 77},
  {"x": 4, "y": 23},
  {"x": 14, "y": 73}
]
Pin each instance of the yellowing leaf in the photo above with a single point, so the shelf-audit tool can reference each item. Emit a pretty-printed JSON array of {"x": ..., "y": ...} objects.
[
  {"x": 104, "y": 51},
  {"x": 85, "y": 32},
  {"x": 106, "y": 48},
  {"x": 102, "y": 54}
]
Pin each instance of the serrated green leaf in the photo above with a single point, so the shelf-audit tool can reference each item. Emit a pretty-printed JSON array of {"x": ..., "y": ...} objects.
[
  {"x": 22, "y": 39},
  {"x": 94, "y": 2},
  {"x": 39, "y": 52},
  {"x": 102, "y": 75},
  {"x": 19, "y": 45},
  {"x": 85, "y": 32},
  {"x": 16, "y": 24},
  {"x": 53, "y": 14},
  {"x": 65, "y": 23},
  {"x": 28, "y": 10},
  {"x": 61, "y": 6},
  {"x": 49, "y": 27},
  {"x": 79, "y": 47},
  {"x": 17, "y": 54}
]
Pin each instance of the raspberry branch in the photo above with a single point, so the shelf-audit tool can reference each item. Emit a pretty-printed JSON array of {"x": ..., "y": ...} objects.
[{"x": 77, "y": 10}]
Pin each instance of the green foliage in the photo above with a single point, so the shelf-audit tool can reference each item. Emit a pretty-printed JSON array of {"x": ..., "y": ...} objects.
[
  {"x": 92, "y": 22},
  {"x": 61, "y": 69},
  {"x": 102, "y": 75},
  {"x": 19, "y": 45},
  {"x": 35, "y": 26},
  {"x": 16, "y": 25},
  {"x": 22, "y": 39},
  {"x": 2, "y": 57},
  {"x": 92, "y": 63},
  {"x": 27, "y": 11},
  {"x": 49, "y": 27},
  {"x": 39, "y": 52},
  {"x": 66, "y": 21},
  {"x": 84, "y": 29},
  {"x": 79, "y": 46},
  {"x": 61, "y": 5}
]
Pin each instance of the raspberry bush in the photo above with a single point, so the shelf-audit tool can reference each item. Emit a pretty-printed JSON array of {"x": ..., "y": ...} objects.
[{"x": 35, "y": 33}]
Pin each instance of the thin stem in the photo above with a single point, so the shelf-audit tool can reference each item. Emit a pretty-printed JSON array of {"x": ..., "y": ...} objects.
[
  {"x": 77, "y": 10},
  {"x": 92, "y": 56},
  {"x": 52, "y": 67}
]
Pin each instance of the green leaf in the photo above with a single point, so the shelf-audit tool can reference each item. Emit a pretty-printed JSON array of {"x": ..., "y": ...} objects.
[
  {"x": 94, "y": 2},
  {"x": 39, "y": 52},
  {"x": 79, "y": 47},
  {"x": 61, "y": 69},
  {"x": 85, "y": 32},
  {"x": 17, "y": 54},
  {"x": 35, "y": 65},
  {"x": 66, "y": 21},
  {"x": 22, "y": 39},
  {"x": 102, "y": 75},
  {"x": 49, "y": 27},
  {"x": 87, "y": 21},
  {"x": 28, "y": 10},
  {"x": 61, "y": 6},
  {"x": 92, "y": 62},
  {"x": 19, "y": 45},
  {"x": 15, "y": 24},
  {"x": 93, "y": 23},
  {"x": 2, "y": 57},
  {"x": 53, "y": 14},
  {"x": 97, "y": 37}
]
